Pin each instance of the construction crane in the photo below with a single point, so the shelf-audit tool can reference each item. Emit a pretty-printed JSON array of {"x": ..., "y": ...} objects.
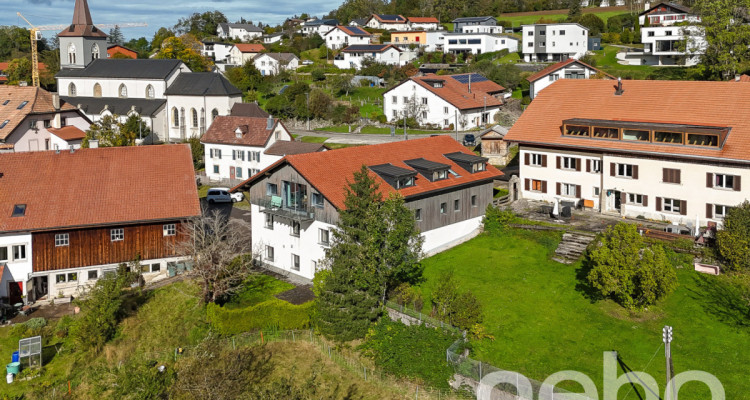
[{"x": 36, "y": 35}]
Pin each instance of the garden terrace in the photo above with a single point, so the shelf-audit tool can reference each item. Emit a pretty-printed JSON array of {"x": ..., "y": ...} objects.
[{"x": 660, "y": 133}]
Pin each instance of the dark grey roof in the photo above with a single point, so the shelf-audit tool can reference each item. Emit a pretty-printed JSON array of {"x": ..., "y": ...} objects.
[
  {"x": 678, "y": 7},
  {"x": 285, "y": 148},
  {"x": 201, "y": 84},
  {"x": 123, "y": 68},
  {"x": 247, "y": 27},
  {"x": 464, "y": 157},
  {"x": 332, "y": 22},
  {"x": 473, "y": 19},
  {"x": 421, "y": 163},
  {"x": 392, "y": 170},
  {"x": 248, "y": 110},
  {"x": 369, "y": 47},
  {"x": 360, "y": 21},
  {"x": 391, "y": 17},
  {"x": 116, "y": 105},
  {"x": 279, "y": 56}
]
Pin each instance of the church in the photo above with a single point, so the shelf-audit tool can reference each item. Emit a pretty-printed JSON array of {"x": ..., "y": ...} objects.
[{"x": 175, "y": 102}]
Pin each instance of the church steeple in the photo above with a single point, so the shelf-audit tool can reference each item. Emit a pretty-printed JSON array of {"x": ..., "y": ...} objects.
[{"x": 81, "y": 42}]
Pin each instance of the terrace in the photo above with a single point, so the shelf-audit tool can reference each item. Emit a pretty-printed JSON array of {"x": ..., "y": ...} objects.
[{"x": 657, "y": 133}]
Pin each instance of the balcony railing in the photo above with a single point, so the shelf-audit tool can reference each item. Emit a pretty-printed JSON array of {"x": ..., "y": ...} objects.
[{"x": 276, "y": 206}]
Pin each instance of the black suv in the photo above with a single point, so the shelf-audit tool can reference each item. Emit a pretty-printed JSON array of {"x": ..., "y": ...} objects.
[{"x": 469, "y": 140}]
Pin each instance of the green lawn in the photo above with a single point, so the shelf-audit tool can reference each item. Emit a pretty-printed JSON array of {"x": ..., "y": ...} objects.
[
  {"x": 508, "y": 58},
  {"x": 519, "y": 20},
  {"x": 257, "y": 289},
  {"x": 313, "y": 139},
  {"x": 399, "y": 131},
  {"x": 606, "y": 60},
  {"x": 368, "y": 99},
  {"x": 338, "y": 128},
  {"x": 543, "y": 323}
]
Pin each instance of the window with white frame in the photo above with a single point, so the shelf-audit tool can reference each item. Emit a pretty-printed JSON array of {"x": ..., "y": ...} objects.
[
  {"x": 269, "y": 253},
  {"x": 625, "y": 170},
  {"x": 269, "y": 221},
  {"x": 324, "y": 236},
  {"x": 169, "y": 229},
  {"x": 671, "y": 205},
  {"x": 596, "y": 166},
  {"x": 62, "y": 239},
  {"x": 724, "y": 181},
  {"x": 395, "y": 114},
  {"x": 295, "y": 262},
  {"x": 406, "y": 99},
  {"x": 596, "y": 191},
  {"x": 720, "y": 211},
  {"x": 535, "y": 159},
  {"x": 424, "y": 114},
  {"x": 568, "y": 162},
  {"x": 93, "y": 274},
  {"x": 568, "y": 189},
  {"x": 636, "y": 199},
  {"x": 117, "y": 234},
  {"x": 19, "y": 252},
  {"x": 69, "y": 277},
  {"x": 216, "y": 169},
  {"x": 238, "y": 173}
]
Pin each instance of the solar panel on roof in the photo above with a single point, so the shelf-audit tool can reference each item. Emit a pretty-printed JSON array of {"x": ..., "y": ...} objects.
[
  {"x": 465, "y": 78},
  {"x": 358, "y": 31}
]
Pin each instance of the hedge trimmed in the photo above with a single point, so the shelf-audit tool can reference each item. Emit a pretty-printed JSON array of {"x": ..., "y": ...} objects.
[{"x": 273, "y": 313}]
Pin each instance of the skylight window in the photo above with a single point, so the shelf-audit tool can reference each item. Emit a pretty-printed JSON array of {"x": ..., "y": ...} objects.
[
  {"x": 19, "y": 210},
  {"x": 22, "y": 105},
  {"x": 4, "y": 123},
  {"x": 5, "y": 103}
]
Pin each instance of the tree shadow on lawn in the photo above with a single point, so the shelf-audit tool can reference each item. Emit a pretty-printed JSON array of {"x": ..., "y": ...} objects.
[
  {"x": 728, "y": 301},
  {"x": 583, "y": 285}
]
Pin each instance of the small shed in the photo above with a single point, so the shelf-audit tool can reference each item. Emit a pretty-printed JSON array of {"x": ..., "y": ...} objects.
[{"x": 494, "y": 147}]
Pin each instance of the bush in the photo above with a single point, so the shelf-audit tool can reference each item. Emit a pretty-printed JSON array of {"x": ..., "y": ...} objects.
[
  {"x": 462, "y": 310},
  {"x": 406, "y": 295},
  {"x": 318, "y": 75},
  {"x": 32, "y": 327},
  {"x": 496, "y": 221},
  {"x": 381, "y": 118},
  {"x": 623, "y": 268},
  {"x": 733, "y": 242},
  {"x": 410, "y": 351},
  {"x": 101, "y": 312},
  {"x": 268, "y": 314}
]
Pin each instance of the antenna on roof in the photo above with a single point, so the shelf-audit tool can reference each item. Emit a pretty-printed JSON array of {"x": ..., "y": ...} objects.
[{"x": 619, "y": 91}]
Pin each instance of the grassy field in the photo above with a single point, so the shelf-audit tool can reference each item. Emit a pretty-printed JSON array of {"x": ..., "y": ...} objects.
[
  {"x": 368, "y": 99},
  {"x": 313, "y": 139},
  {"x": 606, "y": 60},
  {"x": 518, "y": 20},
  {"x": 543, "y": 321},
  {"x": 338, "y": 128}
]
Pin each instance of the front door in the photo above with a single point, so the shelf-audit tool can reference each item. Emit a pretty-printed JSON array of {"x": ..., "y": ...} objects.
[
  {"x": 15, "y": 291},
  {"x": 618, "y": 202},
  {"x": 231, "y": 172}
]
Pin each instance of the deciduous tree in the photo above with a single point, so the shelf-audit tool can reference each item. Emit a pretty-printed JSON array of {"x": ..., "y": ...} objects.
[
  {"x": 733, "y": 241},
  {"x": 187, "y": 49},
  {"x": 727, "y": 36}
]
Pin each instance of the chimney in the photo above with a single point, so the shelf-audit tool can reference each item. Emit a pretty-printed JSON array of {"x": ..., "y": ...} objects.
[
  {"x": 93, "y": 144},
  {"x": 737, "y": 77},
  {"x": 269, "y": 123},
  {"x": 56, "y": 101},
  {"x": 619, "y": 90}
]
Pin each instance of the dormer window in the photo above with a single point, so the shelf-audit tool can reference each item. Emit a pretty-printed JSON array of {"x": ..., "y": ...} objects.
[
  {"x": 469, "y": 162},
  {"x": 434, "y": 171},
  {"x": 440, "y": 175},
  {"x": 397, "y": 177},
  {"x": 238, "y": 132},
  {"x": 478, "y": 167},
  {"x": 405, "y": 182}
]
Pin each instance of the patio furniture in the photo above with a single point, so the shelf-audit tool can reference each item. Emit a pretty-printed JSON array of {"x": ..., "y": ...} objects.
[{"x": 276, "y": 201}]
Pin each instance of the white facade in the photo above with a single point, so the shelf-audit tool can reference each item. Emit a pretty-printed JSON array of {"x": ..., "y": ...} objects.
[
  {"x": 448, "y": 236},
  {"x": 645, "y": 190},
  {"x": 273, "y": 38},
  {"x": 390, "y": 56},
  {"x": 336, "y": 38},
  {"x": 238, "y": 57},
  {"x": 15, "y": 255},
  {"x": 431, "y": 108},
  {"x": 227, "y": 161},
  {"x": 661, "y": 45},
  {"x": 24, "y": 138},
  {"x": 573, "y": 70},
  {"x": 228, "y": 31},
  {"x": 554, "y": 42},
  {"x": 191, "y": 116},
  {"x": 308, "y": 29},
  {"x": 374, "y": 23},
  {"x": 434, "y": 40},
  {"x": 482, "y": 29},
  {"x": 57, "y": 142},
  {"x": 424, "y": 26},
  {"x": 478, "y": 43},
  {"x": 268, "y": 65},
  {"x": 219, "y": 52}
]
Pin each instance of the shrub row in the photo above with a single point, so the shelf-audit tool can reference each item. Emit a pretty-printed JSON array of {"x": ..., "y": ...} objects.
[{"x": 273, "y": 313}]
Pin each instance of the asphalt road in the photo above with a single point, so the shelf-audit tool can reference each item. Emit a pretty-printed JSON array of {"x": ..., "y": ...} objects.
[{"x": 364, "y": 138}]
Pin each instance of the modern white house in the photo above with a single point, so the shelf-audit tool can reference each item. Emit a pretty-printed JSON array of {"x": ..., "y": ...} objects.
[
  {"x": 434, "y": 41},
  {"x": 461, "y": 101},
  {"x": 389, "y": 22},
  {"x": 568, "y": 69},
  {"x": 478, "y": 43},
  {"x": 30, "y": 117},
  {"x": 353, "y": 56},
  {"x": 273, "y": 63},
  {"x": 641, "y": 149},
  {"x": 296, "y": 203},
  {"x": 342, "y": 36},
  {"x": 273, "y": 38},
  {"x": 554, "y": 42},
  {"x": 243, "y": 32},
  {"x": 51, "y": 248},
  {"x": 476, "y": 24},
  {"x": 317, "y": 26},
  {"x": 244, "y": 52},
  {"x": 220, "y": 52},
  {"x": 236, "y": 148},
  {"x": 423, "y": 23}
]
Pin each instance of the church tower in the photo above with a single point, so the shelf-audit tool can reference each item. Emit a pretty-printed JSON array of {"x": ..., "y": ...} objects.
[{"x": 82, "y": 42}]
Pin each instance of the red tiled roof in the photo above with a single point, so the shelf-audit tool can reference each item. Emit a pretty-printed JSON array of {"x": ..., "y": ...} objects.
[
  {"x": 562, "y": 64},
  {"x": 69, "y": 132},
  {"x": 331, "y": 171},
  {"x": 91, "y": 187},
  {"x": 286, "y": 148},
  {"x": 4, "y": 69},
  {"x": 114, "y": 49},
  {"x": 673, "y": 102},
  {"x": 39, "y": 102},
  {"x": 249, "y": 47},
  {"x": 457, "y": 93},
  {"x": 743, "y": 78},
  {"x": 350, "y": 32},
  {"x": 254, "y": 133},
  {"x": 424, "y": 20}
]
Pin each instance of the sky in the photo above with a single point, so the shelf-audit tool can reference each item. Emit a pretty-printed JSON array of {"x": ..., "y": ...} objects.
[{"x": 158, "y": 13}]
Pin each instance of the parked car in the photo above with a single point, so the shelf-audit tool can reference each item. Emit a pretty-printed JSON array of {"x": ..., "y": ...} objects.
[
  {"x": 237, "y": 196},
  {"x": 469, "y": 140},
  {"x": 218, "y": 195},
  {"x": 307, "y": 62}
]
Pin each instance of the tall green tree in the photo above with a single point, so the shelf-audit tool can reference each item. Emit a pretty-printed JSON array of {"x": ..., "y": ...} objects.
[
  {"x": 727, "y": 36},
  {"x": 201, "y": 25},
  {"x": 115, "y": 36},
  {"x": 19, "y": 69},
  {"x": 733, "y": 241},
  {"x": 187, "y": 49},
  {"x": 375, "y": 246},
  {"x": 110, "y": 132}
]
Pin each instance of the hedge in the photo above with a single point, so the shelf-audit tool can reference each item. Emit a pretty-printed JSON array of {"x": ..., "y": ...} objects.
[{"x": 273, "y": 313}]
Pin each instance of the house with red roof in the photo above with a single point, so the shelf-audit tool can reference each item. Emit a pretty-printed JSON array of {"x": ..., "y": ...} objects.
[
  {"x": 568, "y": 69},
  {"x": 296, "y": 201},
  {"x": 389, "y": 22},
  {"x": 238, "y": 147},
  {"x": 424, "y": 23},
  {"x": 342, "y": 36},
  {"x": 116, "y": 205},
  {"x": 461, "y": 101},
  {"x": 243, "y": 52},
  {"x": 641, "y": 149},
  {"x": 123, "y": 51}
]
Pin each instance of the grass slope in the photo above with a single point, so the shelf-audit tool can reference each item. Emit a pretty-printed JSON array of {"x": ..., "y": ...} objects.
[
  {"x": 518, "y": 20},
  {"x": 543, "y": 323}
]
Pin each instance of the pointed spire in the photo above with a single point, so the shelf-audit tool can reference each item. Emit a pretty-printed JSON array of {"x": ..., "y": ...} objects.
[{"x": 81, "y": 15}]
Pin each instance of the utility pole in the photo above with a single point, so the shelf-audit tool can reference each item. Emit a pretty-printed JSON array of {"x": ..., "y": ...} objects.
[
  {"x": 667, "y": 338},
  {"x": 307, "y": 97}
]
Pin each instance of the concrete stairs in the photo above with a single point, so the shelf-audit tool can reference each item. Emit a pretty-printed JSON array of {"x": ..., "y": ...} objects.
[{"x": 572, "y": 246}]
